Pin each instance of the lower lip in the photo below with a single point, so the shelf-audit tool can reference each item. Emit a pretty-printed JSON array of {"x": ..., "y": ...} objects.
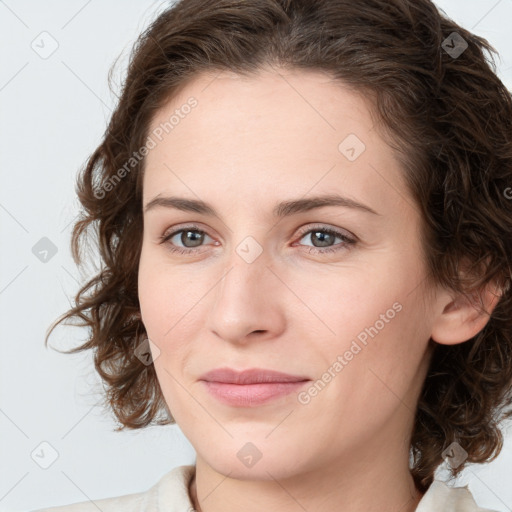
[{"x": 251, "y": 395}]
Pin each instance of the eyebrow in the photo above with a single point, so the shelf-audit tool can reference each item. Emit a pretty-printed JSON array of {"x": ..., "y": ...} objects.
[{"x": 282, "y": 209}]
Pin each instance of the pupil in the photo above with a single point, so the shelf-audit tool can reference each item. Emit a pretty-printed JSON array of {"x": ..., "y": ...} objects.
[
  {"x": 322, "y": 237},
  {"x": 196, "y": 237}
]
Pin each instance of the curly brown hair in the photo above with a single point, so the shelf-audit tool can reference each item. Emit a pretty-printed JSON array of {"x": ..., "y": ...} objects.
[{"x": 447, "y": 115}]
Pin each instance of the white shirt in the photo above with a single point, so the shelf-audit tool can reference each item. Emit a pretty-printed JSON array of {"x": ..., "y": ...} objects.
[{"x": 170, "y": 494}]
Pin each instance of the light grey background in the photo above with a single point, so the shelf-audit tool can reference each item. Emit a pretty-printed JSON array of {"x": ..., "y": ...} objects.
[{"x": 53, "y": 112}]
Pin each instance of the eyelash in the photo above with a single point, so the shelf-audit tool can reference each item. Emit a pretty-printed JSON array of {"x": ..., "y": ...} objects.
[{"x": 346, "y": 244}]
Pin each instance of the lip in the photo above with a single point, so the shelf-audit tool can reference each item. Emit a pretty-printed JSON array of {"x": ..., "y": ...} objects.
[
  {"x": 250, "y": 376},
  {"x": 250, "y": 388}
]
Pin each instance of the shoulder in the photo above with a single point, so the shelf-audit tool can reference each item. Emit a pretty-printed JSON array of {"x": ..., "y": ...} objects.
[
  {"x": 169, "y": 494},
  {"x": 442, "y": 497}
]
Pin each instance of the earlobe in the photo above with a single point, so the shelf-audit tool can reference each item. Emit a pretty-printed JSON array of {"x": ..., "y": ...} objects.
[{"x": 461, "y": 318}]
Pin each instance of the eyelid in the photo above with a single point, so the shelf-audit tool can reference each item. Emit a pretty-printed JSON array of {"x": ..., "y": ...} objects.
[
  {"x": 325, "y": 227},
  {"x": 182, "y": 227}
]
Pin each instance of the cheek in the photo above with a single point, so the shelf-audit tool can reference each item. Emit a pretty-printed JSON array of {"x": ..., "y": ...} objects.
[
  {"x": 152, "y": 299},
  {"x": 344, "y": 303},
  {"x": 383, "y": 350},
  {"x": 172, "y": 301},
  {"x": 372, "y": 317},
  {"x": 164, "y": 305},
  {"x": 155, "y": 298},
  {"x": 159, "y": 287},
  {"x": 372, "y": 364}
]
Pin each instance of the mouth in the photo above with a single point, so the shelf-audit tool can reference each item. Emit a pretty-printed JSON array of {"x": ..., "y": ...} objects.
[
  {"x": 251, "y": 376},
  {"x": 252, "y": 387}
]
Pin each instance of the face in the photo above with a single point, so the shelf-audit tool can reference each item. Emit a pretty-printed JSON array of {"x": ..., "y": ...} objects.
[{"x": 334, "y": 294}]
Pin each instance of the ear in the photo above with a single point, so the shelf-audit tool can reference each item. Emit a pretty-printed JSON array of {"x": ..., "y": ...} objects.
[{"x": 458, "y": 318}]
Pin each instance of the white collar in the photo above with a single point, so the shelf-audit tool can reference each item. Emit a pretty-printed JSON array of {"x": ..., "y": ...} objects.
[{"x": 439, "y": 497}]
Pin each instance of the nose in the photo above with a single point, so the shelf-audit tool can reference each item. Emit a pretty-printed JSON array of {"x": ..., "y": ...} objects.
[{"x": 247, "y": 302}]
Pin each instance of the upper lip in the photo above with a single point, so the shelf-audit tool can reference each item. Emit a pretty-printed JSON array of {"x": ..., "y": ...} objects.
[{"x": 250, "y": 376}]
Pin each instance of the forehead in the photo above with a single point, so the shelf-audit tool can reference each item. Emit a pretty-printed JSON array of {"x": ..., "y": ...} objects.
[
  {"x": 291, "y": 129},
  {"x": 304, "y": 102}
]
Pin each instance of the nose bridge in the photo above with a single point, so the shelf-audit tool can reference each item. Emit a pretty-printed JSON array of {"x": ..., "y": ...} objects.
[
  {"x": 247, "y": 251},
  {"x": 246, "y": 271},
  {"x": 242, "y": 299}
]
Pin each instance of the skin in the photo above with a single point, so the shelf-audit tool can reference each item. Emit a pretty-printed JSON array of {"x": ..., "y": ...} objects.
[{"x": 250, "y": 143}]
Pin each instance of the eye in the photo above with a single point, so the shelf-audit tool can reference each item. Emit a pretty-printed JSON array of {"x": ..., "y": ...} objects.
[
  {"x": 325, "y": 237},
  {"x": 192, "y": 238}
]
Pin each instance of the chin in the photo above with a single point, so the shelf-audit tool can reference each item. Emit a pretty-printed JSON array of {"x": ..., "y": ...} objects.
[{"x": 245, "y": 461}]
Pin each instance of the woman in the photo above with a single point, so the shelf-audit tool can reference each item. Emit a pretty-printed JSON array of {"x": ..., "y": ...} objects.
[{"x": 303, "y": 210}]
